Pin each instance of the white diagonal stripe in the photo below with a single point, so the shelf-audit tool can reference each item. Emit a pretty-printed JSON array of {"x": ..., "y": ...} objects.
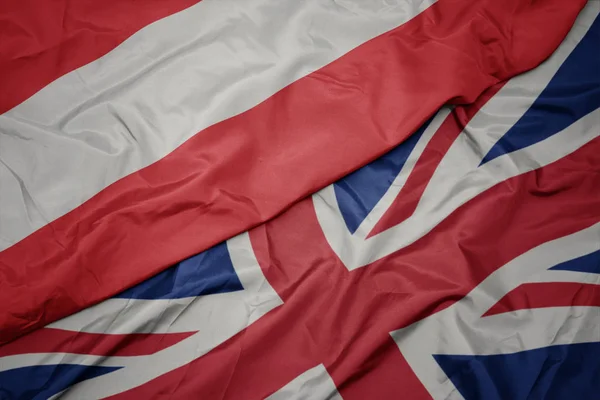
[
  {"x": 314, "y": 384},
  {"x": 390, "y": 195},
  {"x": 459, "y": 178},
  {"x": 226, "y": 311},
  {"x": 215, "y": 317},
  {"x": 167, "y": 82},
  {"x": 461, "y": 329}
]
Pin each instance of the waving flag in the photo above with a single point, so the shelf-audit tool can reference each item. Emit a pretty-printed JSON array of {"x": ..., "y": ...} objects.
[
  {"x": 136, "y": 134},
  {"x": 464, "y": 263}
]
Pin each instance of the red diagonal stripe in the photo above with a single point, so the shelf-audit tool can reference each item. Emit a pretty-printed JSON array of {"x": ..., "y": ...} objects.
[
  {"x": 247, "y": 169},
  {"x": 406, "y": 201},
  {"x": 43, "y": 40},
  {"x": 49, "y": 340},
  {"x": 343, "y": 319},
  {"x": 554, "y": 294},
  {"x": 321, "y": 301}
]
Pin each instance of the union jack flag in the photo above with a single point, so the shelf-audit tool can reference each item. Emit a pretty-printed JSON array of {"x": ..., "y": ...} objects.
[{"x": 465, "y": 263}]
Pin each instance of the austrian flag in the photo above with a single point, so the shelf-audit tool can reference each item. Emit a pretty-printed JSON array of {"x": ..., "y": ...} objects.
[{"x": 278, "y": 199}]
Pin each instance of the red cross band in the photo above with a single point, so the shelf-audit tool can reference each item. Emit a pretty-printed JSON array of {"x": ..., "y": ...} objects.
[{"x": 343, "y": 319}]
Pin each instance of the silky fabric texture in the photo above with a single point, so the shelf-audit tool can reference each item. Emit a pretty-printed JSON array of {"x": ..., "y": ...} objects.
[
  {"x": 244, "y": 170},
  {"x": 111, "y": 115},
  {"x": 544, "y": 214},
  {"x": 42, "y": 41},
  {"x": 483, "y": 285}
]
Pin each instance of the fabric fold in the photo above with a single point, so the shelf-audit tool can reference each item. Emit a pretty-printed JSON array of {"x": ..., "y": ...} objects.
[{"x": 246, "y": 169}]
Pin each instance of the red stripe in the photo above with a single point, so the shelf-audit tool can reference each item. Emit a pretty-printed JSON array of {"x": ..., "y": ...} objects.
[
  {"x": 555, "y": 294},
  {"x": 251, "y": 365},
  {"x": 406, "y": 202},
  {"x": 383, "y": 374},
  {"x": 343, "y": 319},
  {"x": 49, "y": 340},
  {"x": 307, "y": 330},
  {"x": 245, "y": 170},
  {"x": 43, "y": 40}
]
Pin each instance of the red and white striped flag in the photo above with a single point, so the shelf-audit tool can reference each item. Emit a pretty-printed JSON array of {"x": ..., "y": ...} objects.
[{"x": 457, "y": 254}]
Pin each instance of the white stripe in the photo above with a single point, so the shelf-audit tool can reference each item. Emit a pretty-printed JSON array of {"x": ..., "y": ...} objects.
[
  {"x": 390, "y": 195},
  {"x": 510, "y": 332},
  {"x": 460, "y": 329},
  {"x": 356, "y": 252},
  {"x": 566, "y": 276},
  {"x": 528, "y": 266},
  {"x": 122, "y": 316},
  {"x": 167, "y": 82},
  {"x": 314, "y": 384},
  {"x": 216, "y": 321},
  {"x": 346, "y": 244},
  {"x": 228, "y": 312},
  {"x": 459, "y": 178},
  {"x": 540, "y": 327},
  {"x": 27, "y": 360},
  {"x": 216, "y": 327}
]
